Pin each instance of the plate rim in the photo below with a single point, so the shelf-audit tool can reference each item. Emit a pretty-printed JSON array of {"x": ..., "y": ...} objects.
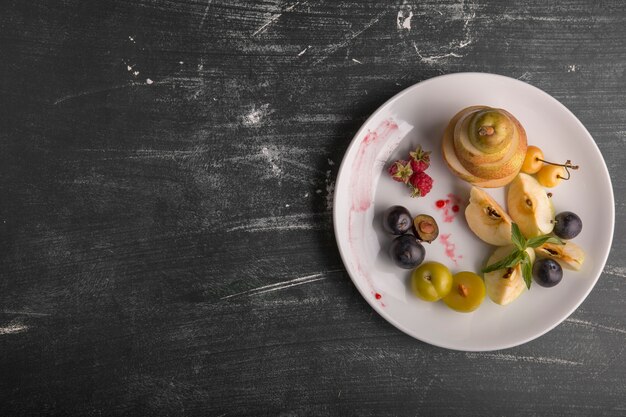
[{"x": 385, "y": 314}]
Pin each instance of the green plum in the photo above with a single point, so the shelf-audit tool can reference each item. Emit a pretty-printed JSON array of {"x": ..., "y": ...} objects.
[
  {"x": 431, "y": 281},
  {"x": 468, "y": 292}
]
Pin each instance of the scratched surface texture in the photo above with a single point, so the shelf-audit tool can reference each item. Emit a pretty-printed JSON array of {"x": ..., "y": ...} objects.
[{"x": 167, "y": 170}]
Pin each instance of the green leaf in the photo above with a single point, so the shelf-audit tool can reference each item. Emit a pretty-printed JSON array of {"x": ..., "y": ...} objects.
[
  {"x": 517, "y": 238},
  {"x": 527, "y": 271},
  {"x": 535, "y": 242},
  {"x": 511, "y": 260}
]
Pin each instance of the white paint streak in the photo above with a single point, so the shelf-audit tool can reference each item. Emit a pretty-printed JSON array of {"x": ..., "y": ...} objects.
[
  {"x": 206, "y": 13},
  {"x": 454, "y": 47},
  {"x": 357, "y": 61},
  {"x": 515, "y": 358},
  {"x": 468, "y": 36},
  {"x": 94, "y": 91},
  {"x": 334, "y": 48},
  {"x": 572, "y": 68},
  {"x": 143, "y": 154},
  {"x": 591, "y": 325},
  {"x": 404, "y": 20},
  {"x": 282, "y": 162},
  {"x": 273, "y": 19},
  {"x": 330, "y": 191},
  {"x": 302, "y": 221},
  {"x": 149, "y": 81},
  {"x": 25, "y": 313},
  {"x": 434, "y": 58},
  {"x": 13, "y": 328},
  {"x": 617, "y": 271},
  {"x": 285, "y": 284},
  {"x": 304, "y": 50},
  {"x": 256, "y": 115},
  {"x": 271, "y": 157}
]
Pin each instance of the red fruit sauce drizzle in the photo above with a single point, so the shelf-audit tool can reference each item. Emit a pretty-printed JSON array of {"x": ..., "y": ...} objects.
[
  {"x": 449, "y": 207},
  {"x": 449, "y": 248},
  {"x": 360, "y": 185},
  {"x": 378, "y": 296}
]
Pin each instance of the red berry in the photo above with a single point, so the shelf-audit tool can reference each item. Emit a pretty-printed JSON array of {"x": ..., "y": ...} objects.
[
  {"x": 420, "y": 160},
  {"x": 418, "y": 166},
  {"x": 400, "y": 171},
  {"x": 421, "y": 183}
]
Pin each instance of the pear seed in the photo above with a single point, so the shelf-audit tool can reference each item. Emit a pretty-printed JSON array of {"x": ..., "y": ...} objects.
[{"x": 492, "y": 213}]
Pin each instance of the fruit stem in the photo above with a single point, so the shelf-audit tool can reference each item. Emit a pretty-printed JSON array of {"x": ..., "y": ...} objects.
[
  {"x": 462, "y": 290},
  {"x": 486, "y": 131},
  {"x": 567, "y": 165}
]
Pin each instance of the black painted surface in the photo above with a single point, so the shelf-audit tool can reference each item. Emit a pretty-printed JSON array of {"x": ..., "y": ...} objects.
[{"x": 166, "y": 171}]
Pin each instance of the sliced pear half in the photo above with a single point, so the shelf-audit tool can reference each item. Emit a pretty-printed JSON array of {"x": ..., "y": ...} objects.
[
  {"x": 487, "y": 219},
  {"x": 529, "y": 206},
  {"x": 569, "y": 255},
  {"x": 505, "y": 285}
]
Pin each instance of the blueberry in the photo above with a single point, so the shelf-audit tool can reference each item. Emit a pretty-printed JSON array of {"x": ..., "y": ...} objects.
[
  {"x": 397, "y": 220},
  {"x": 406, "y": 251},
  {"x": 568, "y": 225},
  {"x": 547, "y": 272}
]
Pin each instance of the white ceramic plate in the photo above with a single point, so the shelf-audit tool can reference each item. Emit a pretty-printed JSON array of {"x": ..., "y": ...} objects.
[{"x": 418, "y": 115}]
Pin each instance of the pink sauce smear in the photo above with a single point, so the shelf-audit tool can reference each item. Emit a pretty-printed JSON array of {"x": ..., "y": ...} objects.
[
  {"x": 361, "y": 187},
  {"x": 378, "y": 296},
  {"x": 449, "y": 207},
  {"x": 450, "y": 248},
  {"x": 362, "y": 183}
]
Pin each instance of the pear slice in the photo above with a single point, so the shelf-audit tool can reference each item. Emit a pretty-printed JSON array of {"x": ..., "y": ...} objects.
[
  {"x": 487, "y": 219},
  {"x": 569, "y": 255},
  {"x": 505, "y": 285},
  {"x": 448, "y": 150},
  {"x": 530, "y": 207},
  {"x": 466, "y": 142},
  {"x": 455, "y": 163},
  {"x": 481, "y": 164}
]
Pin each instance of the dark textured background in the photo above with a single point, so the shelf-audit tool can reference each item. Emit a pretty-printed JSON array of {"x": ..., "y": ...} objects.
[{"x": 167, "y": 169}]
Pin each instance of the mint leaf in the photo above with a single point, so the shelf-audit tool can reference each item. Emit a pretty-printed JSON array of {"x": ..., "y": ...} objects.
[
  {"x": 510, "y": 260},
  {"x": 517, "y": 238},
  {"x": 527, "y": 271},
  {"x": 535, "y": 242}
]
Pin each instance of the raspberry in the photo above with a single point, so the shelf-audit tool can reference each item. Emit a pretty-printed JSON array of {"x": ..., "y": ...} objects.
[
  {"x": 400, "y": 171},
  {"x": 420, "y": 160},
  {"x": 421, "y": 184},
  {"x": 419, "y": 166}
]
